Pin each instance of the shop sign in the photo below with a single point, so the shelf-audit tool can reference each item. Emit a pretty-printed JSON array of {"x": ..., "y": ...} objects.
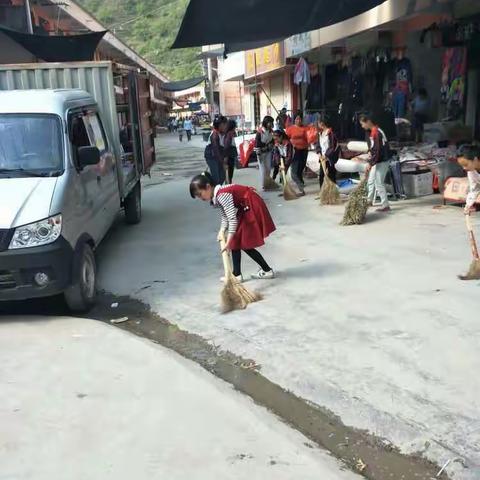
[
  {"x": 267, "y": 59},
  {"x": 299, "y": 44}
]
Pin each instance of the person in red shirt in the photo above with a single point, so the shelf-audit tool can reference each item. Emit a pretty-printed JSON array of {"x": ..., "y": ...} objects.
[
  {"x": 378, "y": 163},
  {"x": 298, "y": 136}
]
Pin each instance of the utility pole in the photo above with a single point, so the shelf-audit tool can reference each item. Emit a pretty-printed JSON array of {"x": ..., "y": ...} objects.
[
  {"x": 29, "y": 17},
  {"x": 210, "y": 87}
]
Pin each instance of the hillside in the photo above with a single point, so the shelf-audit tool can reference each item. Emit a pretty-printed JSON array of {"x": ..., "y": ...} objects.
[{"x": 149, "y": 27}]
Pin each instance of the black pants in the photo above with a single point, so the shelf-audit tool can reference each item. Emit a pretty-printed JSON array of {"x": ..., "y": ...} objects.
[
  {"x": 299, "y": 162},
  {"x": 276, "y": 170},
  {"x": 189, "y": 135},
  {"x": 332, "y": 172},
  {"x": 255, "y": 255},
  {"x": 231, "y": 167}
]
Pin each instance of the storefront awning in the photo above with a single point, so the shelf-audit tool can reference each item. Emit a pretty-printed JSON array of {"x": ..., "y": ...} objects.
[
  {"x": 58, "y": 48},
  {"x": 208, "y": 22},
  {"x": 182, "y": 84}
]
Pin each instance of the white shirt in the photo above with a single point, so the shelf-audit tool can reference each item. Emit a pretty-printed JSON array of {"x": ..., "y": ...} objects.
[{"x": 474, "y": 188}]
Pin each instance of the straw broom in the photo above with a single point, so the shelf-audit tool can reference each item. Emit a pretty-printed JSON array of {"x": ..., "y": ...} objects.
[
  {"x": 357, "y": 206},
  {"x": 269, "y": 184},
  {"x": 234, "y": 295},
  {"x": 329, "y": 194},
  {"x": 474, "y": 270},
  {"x": 288, "y": 192}
]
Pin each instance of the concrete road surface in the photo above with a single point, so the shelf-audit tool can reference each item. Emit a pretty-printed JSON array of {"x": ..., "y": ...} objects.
[{"x": 82, "y": 400}]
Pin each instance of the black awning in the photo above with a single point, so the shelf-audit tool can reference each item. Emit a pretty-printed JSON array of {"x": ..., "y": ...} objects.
[
  {"x": 58, "y": 48},
  {"x": 182, "y": 84},
  {"x": 209, "y": 22}
]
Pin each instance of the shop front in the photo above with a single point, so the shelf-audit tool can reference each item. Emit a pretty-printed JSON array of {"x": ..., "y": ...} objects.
[
  {"x": 418, "y": 75},
  {"x": 267, "y": 82}
]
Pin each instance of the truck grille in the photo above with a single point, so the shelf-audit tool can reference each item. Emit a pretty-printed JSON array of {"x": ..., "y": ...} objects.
[
  {"x": 7, "y": 280},
  {"x": 5, "y": 237}
]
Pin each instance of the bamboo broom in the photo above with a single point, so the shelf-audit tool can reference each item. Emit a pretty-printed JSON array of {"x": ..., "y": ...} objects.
[
  {"x": 474, "y": 270},
  {"x": 357, "y": 205},
  {"x": 234, "y": 295},
  {"x": 288, "y": 192},
  {"x": 329, "y": 194}
]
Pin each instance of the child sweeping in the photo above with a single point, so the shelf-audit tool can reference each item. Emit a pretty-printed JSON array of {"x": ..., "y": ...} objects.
[
  {"x": 469, "y": 160},
  {"x": 283, "y": 150},
  {"x": 328, "y": 147},
  {"x": 263, "y": 149},
  {"x": 245, "y": 218}
]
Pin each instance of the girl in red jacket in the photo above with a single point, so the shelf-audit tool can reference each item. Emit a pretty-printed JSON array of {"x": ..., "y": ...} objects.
[{"x": 245, "y": 218}]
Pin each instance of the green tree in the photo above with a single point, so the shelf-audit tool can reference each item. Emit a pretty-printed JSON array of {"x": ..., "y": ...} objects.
[{"x": 149, "y": 27}]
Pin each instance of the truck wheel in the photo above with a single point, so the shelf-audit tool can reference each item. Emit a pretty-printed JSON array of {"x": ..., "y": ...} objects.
[
  {"x": 80, "y": 296},
  {"x": 133, "y": 205}
]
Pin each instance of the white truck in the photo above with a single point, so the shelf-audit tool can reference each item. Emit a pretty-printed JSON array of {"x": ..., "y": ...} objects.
[{"x": 74, "y": 141}]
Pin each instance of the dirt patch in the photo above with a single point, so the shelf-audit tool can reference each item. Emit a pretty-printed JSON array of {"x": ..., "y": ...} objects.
[{"x": 362, "y": 452}]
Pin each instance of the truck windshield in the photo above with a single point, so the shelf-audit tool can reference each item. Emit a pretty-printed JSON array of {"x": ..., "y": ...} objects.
[{"x": 30, "y": 145}]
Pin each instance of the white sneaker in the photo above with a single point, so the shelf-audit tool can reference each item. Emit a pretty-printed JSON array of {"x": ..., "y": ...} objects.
[
  {"x": 261, "y": 275},
  {"x": 239, "y": 279}
]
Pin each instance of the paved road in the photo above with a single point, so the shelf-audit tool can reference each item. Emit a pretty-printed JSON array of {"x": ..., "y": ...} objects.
[{"x": 82, "y": 400}]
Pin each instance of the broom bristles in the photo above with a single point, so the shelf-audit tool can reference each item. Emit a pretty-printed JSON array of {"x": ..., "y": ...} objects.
[
  {"x": 270, "y": 184},
  {"x": 473, "y": 272},
  {"x": 329, "y": 193},
  {"x": 357, "y": 206},
  {"x": 236, "y": 297},
  {"x": 289, "y": 193}
]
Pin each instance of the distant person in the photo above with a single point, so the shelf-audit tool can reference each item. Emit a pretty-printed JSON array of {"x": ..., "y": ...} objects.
[
  {"x": 421, "y": 109},
  {"x": 328, "y": 147},
  {"x": 230, "y": 149},
  {"x": 282, "y": 119},
  {"x": 188, "y": 127},
  {"x": 180, "y": 130},
  {"x": 174, "y": 125},
  {"x": 378, "y": 162},
  {"x": 298, "y": 137},
  {"x": 215, "y": 150}
]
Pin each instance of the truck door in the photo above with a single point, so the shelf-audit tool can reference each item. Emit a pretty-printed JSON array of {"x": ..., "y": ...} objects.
[
  {"x": 142, "y": 120},
  {"x": 97, "y": 183},
  {"x": 107, "y": 179}
]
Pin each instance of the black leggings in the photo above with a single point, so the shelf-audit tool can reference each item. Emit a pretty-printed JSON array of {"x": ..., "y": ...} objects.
[
  {"x": 332, "y": 172},
  {"x": 255, "y": 255}
]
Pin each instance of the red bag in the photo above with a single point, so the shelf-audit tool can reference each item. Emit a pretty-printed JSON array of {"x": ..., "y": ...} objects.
[
  {"x": 312, "y": 135},
  {"x": 246, "y": 150}
]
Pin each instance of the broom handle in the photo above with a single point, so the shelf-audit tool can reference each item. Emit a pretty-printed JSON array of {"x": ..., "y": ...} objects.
[
  {"x": 226, "y": 259},
  {"x": 473, "y": 242},
  {"x": 284, "y": 176},
  {"x": 324, "y": 166}
]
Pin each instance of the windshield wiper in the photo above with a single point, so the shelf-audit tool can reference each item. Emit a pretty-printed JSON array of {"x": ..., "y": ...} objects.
[{"x": 28, "y": 173}]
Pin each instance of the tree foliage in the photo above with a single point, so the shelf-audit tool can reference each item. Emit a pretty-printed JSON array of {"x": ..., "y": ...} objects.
[{"x": 149, "y": 27}]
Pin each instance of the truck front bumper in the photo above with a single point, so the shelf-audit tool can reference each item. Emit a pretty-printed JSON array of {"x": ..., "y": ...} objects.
[{"x": 18, "y": 269}]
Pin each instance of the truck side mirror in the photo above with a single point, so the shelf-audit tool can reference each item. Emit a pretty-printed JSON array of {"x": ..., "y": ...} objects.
[{"x": 88, "y": 156}]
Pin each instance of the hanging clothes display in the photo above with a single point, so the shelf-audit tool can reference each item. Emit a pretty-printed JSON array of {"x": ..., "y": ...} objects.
[
  {"x": 314, "y": 93},
  {"x": 453, "y": 79},
  {"x": 302, "y": 72},
  {"x": 403, "y": 87}
]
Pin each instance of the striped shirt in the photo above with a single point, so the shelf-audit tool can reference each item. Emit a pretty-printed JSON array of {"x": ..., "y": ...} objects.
[{"x": 228, "y": 210}]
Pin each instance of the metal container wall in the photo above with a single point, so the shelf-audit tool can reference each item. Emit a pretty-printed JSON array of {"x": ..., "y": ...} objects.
[{"x": 95, "y": 78}]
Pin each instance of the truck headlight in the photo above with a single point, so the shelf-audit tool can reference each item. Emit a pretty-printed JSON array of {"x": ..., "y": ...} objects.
[{"x": 37, "y": 234}]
